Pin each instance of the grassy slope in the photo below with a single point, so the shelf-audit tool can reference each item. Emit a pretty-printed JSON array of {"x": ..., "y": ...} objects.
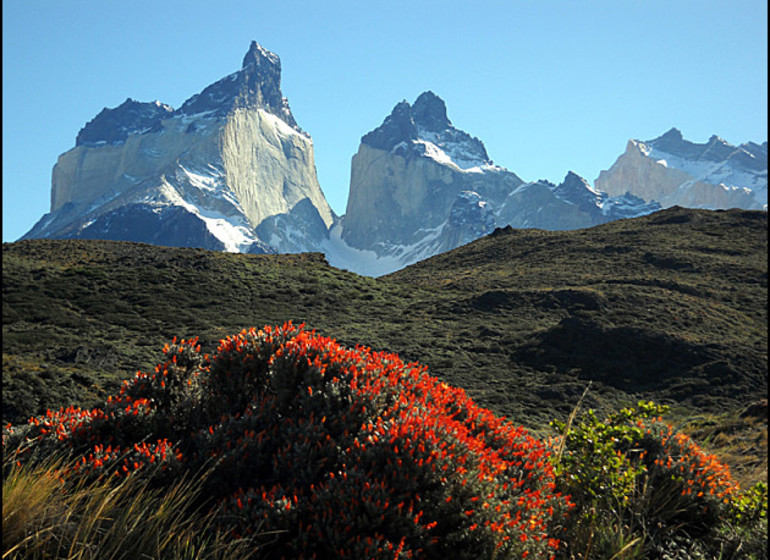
[{"x": 671, "y": 306}]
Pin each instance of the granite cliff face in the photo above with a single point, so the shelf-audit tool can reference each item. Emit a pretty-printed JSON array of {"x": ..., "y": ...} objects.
[
  {"x": 231, "y": 170},
  {"x": 231, "y": 166},
  {"x": 674, "y": 171},
  {"x": 408, "y": 173},
  {"x": 409, "y": 176},
  {"x": 419, "y": 187}
]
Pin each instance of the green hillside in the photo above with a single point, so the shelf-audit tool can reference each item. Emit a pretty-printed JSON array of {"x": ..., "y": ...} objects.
[{"x": 670, "y": 307}]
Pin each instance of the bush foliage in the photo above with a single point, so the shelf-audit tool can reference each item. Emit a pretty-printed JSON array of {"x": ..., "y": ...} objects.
[
  {"x": 317, "y": 450},
  {"x": 644, "y": 489},
  {"x": 304, "y": 448}
]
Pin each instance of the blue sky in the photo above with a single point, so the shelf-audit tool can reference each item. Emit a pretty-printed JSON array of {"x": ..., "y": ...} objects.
[{"x": 549, "y": 86}]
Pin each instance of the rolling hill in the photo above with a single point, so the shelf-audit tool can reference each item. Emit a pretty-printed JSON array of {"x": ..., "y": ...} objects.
[{"x": 670, "y": 307}]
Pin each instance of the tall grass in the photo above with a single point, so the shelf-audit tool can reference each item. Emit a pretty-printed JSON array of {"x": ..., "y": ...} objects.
[{"x": 44, "y": 517}]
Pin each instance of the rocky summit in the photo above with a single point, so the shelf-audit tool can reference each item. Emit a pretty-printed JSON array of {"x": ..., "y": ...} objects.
[
  {"x": 419, "y": 186},
  {"x": 407, "y": 175},
  {"x": 675, "y": 171},
  {"x": 229, "y": 170},
  {"x": 113, "y": 126}
]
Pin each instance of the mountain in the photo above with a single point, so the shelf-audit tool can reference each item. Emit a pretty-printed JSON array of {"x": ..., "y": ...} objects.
[
  {"x": 572, "y": 204},
  {"x": 674, "y": 171},
  {"x": 229, "y": 170},
  {"x": 419, "y": 186}
]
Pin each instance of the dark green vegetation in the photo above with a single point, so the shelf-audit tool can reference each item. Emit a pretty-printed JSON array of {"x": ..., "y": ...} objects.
[
  {"x": 300, "y": 448},
  {"x": 644, "y": 490},
  {"x": 317, "y": 451},
  {"x": 670, "y": 307}
]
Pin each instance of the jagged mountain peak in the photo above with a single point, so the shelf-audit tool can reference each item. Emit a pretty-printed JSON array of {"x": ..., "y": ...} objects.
[
  {"x": 259, "y": 55},
  {"x": 573, "y": 179},
  {"x": 257, "y": 85},
  {"x": 545, "y": 182},
  {"x": 397, "y": 127},
  {"x": 112, "y": 126},
  {"x": 715, "y": 149},
  {"x": 576, "y": 190},
  {"x": 672, "y": 142},
  {"x": 429, "y": 112},
  {"x": 672, "y": 134},
  {"x": 418, "y": 186},
  {"x": 754, "y": 148},
  {"x": 424, "y": 130},
  {"x": 230, "y": 170},
  {"x": 677, "y": 172}
]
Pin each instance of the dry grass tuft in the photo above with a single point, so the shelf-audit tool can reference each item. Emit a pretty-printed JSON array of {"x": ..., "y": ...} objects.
[{"x": 45, "y": 518}]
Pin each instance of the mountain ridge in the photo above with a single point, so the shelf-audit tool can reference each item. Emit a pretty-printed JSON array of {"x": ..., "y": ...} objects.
[
  {"x": 677, "y": 172},
  {"x": 231, "y": 170}
]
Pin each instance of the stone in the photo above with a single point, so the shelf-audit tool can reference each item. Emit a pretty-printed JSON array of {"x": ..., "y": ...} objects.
[
  {"x": 676, "y": 172},
  {"x": 231, "y": 159}
]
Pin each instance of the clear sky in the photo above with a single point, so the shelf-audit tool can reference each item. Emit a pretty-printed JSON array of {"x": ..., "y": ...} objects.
[{"x": 549, "y": 86}]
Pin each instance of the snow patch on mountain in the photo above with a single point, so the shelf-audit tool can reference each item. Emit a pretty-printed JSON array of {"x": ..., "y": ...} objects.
[
  {"x": 720, "y": 173},
  {"x": 281, "y": 125},
  {"x": 453, "y": 148},
  {"x": 361, "y": 261},
  {"x": 675, "y": 171},
  {"x": 232, "y": 229}
]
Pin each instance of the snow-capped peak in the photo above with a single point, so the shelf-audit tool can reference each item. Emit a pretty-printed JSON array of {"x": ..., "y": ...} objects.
[{"x": 425, "y": 130}]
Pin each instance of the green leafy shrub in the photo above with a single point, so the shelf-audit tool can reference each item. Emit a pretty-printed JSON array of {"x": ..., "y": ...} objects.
[
  {"x": 751, "y": 506},
  {"x": 643, "y": 490},
  {"x": 317, "y": 450}
]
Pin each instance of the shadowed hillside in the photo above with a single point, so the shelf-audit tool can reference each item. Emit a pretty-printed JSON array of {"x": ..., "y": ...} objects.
[{"x": 672, "y": 305}]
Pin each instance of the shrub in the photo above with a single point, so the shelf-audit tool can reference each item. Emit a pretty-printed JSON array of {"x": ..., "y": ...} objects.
[
  {"x": 641, "y": 488},
  {"x": 317, "y": 450}
]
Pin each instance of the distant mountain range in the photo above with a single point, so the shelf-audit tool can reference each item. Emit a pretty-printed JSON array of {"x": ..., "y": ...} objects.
[
  {"x": 419, "y": 187},
  {"x": 676, "y": 172},
  {"x": 231, "y": 170}
]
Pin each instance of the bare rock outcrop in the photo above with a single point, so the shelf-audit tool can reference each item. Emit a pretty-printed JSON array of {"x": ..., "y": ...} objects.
[
  {"x": 676, "y": 172},
  {"x": 232, "y": 161}
]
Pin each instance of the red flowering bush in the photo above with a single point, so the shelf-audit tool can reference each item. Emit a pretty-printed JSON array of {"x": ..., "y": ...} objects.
[{"x": 316, "y": 450}]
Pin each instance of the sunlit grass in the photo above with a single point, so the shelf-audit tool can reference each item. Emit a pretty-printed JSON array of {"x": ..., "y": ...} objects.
[{"x": 45, "y": 518}]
